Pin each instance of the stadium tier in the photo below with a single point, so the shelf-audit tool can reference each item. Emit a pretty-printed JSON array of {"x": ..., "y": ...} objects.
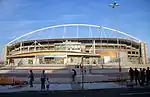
[{"x": 71, "y": 51}]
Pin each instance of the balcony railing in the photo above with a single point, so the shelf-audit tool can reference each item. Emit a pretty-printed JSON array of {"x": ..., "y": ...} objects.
[{"x": 26, "y": 51}]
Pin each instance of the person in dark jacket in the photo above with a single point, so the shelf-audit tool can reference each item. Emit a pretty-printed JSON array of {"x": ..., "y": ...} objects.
[
  {"x": 90, "y": 70},
  {"x": 143, "y": 77},
  {"x": 136, "y": 74},
  {"x": 140, "y": 75},
  {"x": 147, "y": 76},
  {"x": 43, "y": 78},
  {"x": 131, "y": 74},
  {"x": 31, "y": 77},
  {"x": 74, "y": 74}
]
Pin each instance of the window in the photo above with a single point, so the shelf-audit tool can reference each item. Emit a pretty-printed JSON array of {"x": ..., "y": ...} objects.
[{"x": 129, "y": 52}]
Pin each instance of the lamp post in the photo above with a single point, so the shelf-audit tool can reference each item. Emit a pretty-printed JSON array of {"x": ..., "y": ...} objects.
[
  {"x": 114, "y": 5},
  {"x": 82, "y": 73}
]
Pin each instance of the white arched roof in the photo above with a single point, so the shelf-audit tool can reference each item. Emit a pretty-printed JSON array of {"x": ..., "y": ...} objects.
[{"x": 64, "y": 25}]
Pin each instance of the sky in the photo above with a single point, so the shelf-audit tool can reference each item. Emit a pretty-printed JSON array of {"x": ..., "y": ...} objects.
[{"x": 21, "y": 16}]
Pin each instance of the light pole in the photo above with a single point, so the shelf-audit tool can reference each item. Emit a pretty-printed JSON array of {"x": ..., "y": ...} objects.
[
  {"x": 114, "y": 5},
  {"x": 82, "y": 72}
]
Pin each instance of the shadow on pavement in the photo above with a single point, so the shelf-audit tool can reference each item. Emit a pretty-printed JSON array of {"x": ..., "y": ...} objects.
[{"x": 119, "y": 92}]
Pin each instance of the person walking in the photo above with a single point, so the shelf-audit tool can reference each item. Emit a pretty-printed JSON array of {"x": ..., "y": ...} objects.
[
  {"x": 147, "y": 76},
  {"x": 81, "y": 69},
  {"x": 74, "y": 75},
  {"x": 90, "y": 70},
  {"x": 140, "y": 75},
  {"x": 31, "y": 78},
  {"x": 136, "y": 74},
  {"x": 43, "y": 78},
  {"x": 84, "y": 70},
  {"x": 47, "y": 84},
  {"x": 143, "y": 77},
  {"x": 131, "y": 74}
]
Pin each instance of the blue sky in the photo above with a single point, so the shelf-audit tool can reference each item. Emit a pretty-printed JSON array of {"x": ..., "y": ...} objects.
[{"x": 20, "y": 16}]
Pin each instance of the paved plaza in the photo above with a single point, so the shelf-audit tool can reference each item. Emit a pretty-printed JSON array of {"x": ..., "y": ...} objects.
[
  {"x": 72, "y": 86},
  {"x": 60, "y": 80}
]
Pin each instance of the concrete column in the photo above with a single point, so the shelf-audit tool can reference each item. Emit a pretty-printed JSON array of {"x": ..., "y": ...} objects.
[
  {"x": 94, "y": 46},
  {"x": 20, "y": 47},
  {"x": 4, "y": 54},
  {"x": 34, "y": 60},
  {"x": 28, "y": 48},
  {"x": 35, "y": 46},
  {"x": 144, "y": 53}
]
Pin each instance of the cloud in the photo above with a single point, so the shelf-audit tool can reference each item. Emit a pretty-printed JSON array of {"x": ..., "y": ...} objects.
[
  {"x": 11, "y": 37},
  {"x": 67, "y": 17},
  {"x": 13, "y": 29},
  {"x": 25, "y": 21},
  {"x": 7, "y": 5},
  {"x": 18, "y": 5},
  {"x": 7, "y": 8}
]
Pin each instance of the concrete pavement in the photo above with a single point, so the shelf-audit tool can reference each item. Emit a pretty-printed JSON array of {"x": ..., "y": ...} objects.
[
  {"x": 87, "y": 78},
  {"x": 117, "y": 92},
  {"x": 64, "y": 76},
  {"x": 71, "y": 86}
]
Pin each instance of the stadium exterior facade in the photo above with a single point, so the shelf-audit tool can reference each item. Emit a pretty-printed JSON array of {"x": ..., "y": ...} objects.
[{"x": 72, "y": 50}]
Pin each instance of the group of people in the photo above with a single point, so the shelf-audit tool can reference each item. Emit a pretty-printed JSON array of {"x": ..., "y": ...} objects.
[
  {"x": 140, "y": 76},
  {"x": 82, "y": 69},
  {"x": 44, "y": 80}
]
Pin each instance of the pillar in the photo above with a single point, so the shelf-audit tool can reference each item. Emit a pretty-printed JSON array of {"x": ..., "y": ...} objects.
[
  {"x": 35, "y": 46},
  {"x": 4, "y": 54},
  {"x": 94, "y": 46},
  {"x": 20, "y": 47},
  {"x": 28, "y": 48},
  {"x": 144, "y": 53}
]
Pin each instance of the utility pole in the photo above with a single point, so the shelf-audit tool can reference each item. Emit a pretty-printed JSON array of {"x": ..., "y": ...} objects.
[{"x": 114, "y": 5}]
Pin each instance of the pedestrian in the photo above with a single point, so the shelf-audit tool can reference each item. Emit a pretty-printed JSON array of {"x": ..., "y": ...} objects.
[
  {"x": 136, "y": 74},
  {"x": 143, "y": 77},
  {"x": 74, "y": 75},
  {"x": 90, "y": 70},
  {"x": 84, "y": 70},
  {"x": 47, "y": 84},
  {"x": 120, "y": 69},
  {"x": 147, "y": 76},
  {"x": 43, "y": 78},
  {"x": 81, "y": 69},
  {"x": 140, "y": 74},
  {"x": 31, "y": 78},
  {"x": 102, "y": 66},
  {"x": 131, "y": 74}
]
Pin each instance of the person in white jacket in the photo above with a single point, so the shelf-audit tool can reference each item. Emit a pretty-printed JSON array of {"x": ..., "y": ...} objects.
[{"x": 47, "y": 84}]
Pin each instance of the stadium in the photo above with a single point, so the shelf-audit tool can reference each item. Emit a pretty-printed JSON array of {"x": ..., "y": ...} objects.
[{"x": 72, "y": 44}]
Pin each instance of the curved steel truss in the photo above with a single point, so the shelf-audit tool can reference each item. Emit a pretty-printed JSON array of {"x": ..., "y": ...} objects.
[{"x": 66, "y": 25}]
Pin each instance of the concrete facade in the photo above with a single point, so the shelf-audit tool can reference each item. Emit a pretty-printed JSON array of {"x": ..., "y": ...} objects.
[
  {"x": 4, "y": 54},
  {"x": 129, "y": 51},
  {"x": 144, "y": 53}
]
